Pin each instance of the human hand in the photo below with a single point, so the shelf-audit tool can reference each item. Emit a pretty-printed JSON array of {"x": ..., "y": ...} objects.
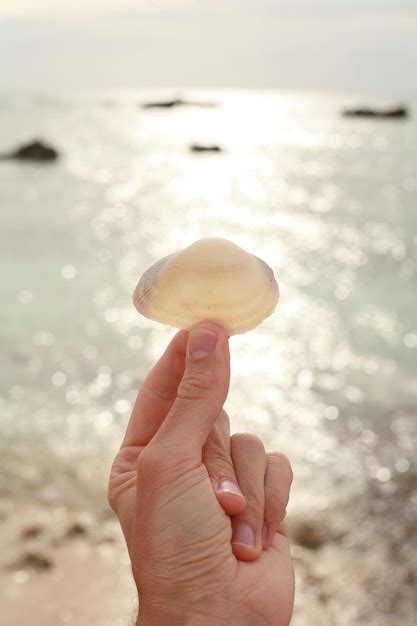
[{"x": 198, "y": 550}]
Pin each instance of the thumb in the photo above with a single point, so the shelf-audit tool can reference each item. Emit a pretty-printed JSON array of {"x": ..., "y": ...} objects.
[{"x": 201, "y": 392}]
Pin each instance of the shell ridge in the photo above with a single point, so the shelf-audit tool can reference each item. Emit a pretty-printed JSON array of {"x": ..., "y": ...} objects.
[{"x": 189, "y": 286}]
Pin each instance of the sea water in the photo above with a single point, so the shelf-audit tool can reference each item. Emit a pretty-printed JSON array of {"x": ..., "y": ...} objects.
[{"x": 330, "y": 203}]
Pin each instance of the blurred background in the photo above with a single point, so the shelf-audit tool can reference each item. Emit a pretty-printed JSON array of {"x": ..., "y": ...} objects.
[{"x": 162, "y": 122}]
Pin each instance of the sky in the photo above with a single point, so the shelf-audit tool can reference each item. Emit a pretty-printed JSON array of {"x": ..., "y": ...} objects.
[{"x": 346, "y": 46}]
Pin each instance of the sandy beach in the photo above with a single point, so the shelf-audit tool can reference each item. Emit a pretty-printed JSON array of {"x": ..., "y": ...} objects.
[
  {"x": 354, "y": 565},
  {"x": 63, "y": 566}
]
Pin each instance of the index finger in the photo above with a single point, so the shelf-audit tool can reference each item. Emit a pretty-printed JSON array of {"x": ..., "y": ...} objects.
[{"x": 157, "y": 393}]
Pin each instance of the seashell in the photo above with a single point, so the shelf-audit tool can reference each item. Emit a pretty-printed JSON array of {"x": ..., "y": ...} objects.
[{"x": 214, "y": 280}]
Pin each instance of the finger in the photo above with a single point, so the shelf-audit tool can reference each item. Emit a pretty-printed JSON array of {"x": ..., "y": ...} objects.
[
  {"x": 249, "y": 460},
  {"x": 283, "y": 529},
  {"x": 218, "y": 461},
  {"x": 200, "y": 394},
  {"x": 278, "y": 479},
  {"x": 157, "y": 393}
]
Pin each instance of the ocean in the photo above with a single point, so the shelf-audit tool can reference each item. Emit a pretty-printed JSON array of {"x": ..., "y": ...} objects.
[{"x": 330, "y": 203}]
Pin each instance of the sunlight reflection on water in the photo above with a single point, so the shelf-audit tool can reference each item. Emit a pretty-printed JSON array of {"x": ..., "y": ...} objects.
[{"x": 329, "y": 379}]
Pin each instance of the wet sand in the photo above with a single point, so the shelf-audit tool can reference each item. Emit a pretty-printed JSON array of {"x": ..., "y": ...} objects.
[{"x": 354, "y": 565}]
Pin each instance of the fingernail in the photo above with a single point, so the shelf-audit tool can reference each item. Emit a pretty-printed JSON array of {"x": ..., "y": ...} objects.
[
  {"x": 264, "y": 533},
  {"x": 229, "y": 487},
  {"x": 201, "y": 343},
  {"x": 243, "y": 535}
]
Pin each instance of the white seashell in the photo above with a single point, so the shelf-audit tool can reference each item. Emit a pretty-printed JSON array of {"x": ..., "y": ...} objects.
[{"x": 211, "y": 280}]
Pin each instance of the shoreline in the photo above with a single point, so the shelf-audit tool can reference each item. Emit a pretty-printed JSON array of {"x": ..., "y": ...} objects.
[{"x": 354, "y": 564}]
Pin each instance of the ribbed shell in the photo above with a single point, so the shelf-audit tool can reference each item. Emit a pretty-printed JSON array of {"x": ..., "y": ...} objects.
[{"x": 213, "y": 280}]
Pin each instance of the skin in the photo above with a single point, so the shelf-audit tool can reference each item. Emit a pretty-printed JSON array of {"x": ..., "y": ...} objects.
[{"x": 202, "y": 512}]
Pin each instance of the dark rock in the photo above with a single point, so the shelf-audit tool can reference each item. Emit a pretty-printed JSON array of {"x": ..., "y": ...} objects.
[
  {"x": 309, "y": 535},
  {"x": 400, "y": 112},
  {"x": 32, "y": 560},
  {"x": 323, "y": 596},
  {"x": 176, "y": 102},
  {"x": 34, "y": 151},
  {"x": 77, "y": 530},
  {"x": 198, "y": 148},
  {"x": 164, "y": 104}
]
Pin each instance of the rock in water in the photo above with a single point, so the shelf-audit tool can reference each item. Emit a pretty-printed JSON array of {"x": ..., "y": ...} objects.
[
  {"x": 176, "y": 102},
  {"x": 195, "y": 147},
  {"x": 35, "y": 151},
  {"x": 211, "y": 280},
  {"x": 400, "y": 112},
  {"x": 164, "y": 104}
]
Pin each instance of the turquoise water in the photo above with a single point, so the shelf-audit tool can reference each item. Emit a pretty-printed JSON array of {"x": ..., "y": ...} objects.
[{"x": 329, "y": 203}]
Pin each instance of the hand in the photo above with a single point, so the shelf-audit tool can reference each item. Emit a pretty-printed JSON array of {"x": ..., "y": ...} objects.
[{"x": 176, "y": 481}]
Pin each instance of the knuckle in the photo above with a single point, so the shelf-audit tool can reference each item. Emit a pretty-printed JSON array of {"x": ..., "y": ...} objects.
[
  {"x": 161, "y": 391},
  {"x": 254, "y": 504},
  {"x": 219, "y": 465},
  {"x": 195, "y": 386},
  {"x": 282, "y": 463},
  {"x": 120, "y": 471},
  {"x": 111, "y": 497},
  {"x": 149, "y": 462},
  {"x": 217, "y": 457},
  {"x": 248, "y": 441},
  {"x": 116, "y": 473},
  {"x": 159, "y": 463}
]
